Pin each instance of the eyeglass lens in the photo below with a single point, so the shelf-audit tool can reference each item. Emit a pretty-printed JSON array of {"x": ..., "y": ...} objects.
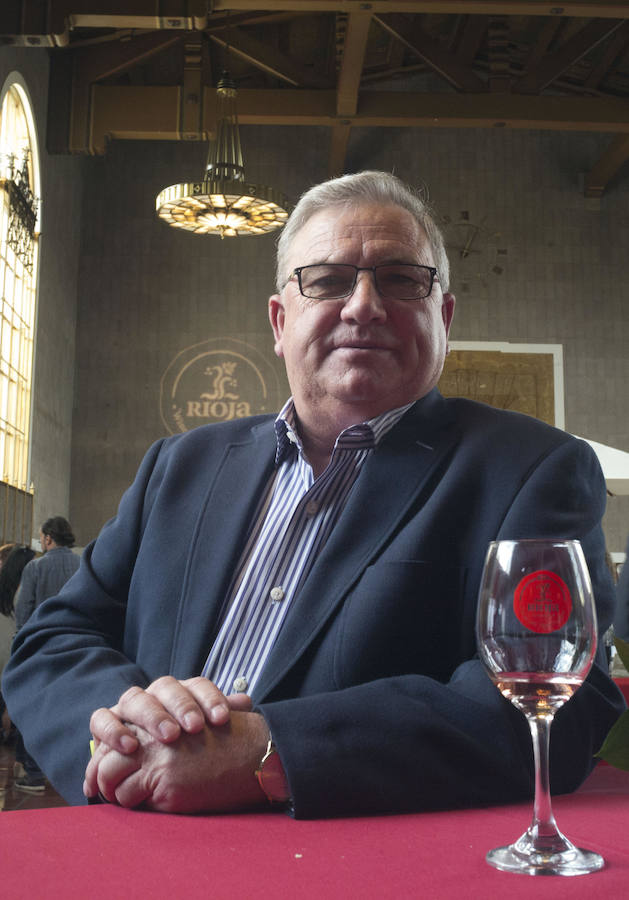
[{"x": 396, "y": 282}]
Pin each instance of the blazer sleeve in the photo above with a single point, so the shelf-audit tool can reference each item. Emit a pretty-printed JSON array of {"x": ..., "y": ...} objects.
[
  {"x": 70, "y": 653},
  {"x": 410, "y": 742}
]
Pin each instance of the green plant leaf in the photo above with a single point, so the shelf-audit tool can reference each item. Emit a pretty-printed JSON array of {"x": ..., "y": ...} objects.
[
  {"x": 623, "y": 651},
  {"x": 615, "y": 749}
]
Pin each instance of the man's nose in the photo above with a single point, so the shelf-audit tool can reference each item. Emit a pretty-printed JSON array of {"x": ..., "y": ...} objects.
[{"x": 365, "y": 303}]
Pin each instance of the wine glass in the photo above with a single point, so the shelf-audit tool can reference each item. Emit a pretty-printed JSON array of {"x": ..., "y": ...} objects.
[{"x": 536, "y": 635}]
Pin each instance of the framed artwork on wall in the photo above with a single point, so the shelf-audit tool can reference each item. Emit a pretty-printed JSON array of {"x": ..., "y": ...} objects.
[{"x": 526, "y": 378}]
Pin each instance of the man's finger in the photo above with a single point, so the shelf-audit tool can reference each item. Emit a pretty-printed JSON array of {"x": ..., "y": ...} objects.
[
  {"x": 240, "y": 702},
  {"x": 90, "y": 786},
  {"x": 178, "y": 700},
  {"x": 213, "y": 702},
  {"x": 113, "y": 769},
  {"x": 163, "y": 721},
  {"x": 107, "y": 729}
]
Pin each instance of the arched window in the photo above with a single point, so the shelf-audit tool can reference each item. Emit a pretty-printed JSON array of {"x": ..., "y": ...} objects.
[{"x": 19, "y": 230}]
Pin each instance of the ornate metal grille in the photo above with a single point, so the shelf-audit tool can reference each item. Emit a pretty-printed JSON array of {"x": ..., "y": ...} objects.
[{"x": 22, "y": 211}]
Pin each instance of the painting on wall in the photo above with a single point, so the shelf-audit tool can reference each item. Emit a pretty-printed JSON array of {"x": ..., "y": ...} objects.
[{"x": 526, "y": 378}]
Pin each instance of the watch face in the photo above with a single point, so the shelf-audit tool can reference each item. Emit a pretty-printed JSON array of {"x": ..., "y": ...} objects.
[{"x": 272, "y": 779}]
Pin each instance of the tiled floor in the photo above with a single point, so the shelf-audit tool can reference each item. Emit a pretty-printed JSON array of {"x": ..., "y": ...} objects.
[{"x": 11, "y": 798}]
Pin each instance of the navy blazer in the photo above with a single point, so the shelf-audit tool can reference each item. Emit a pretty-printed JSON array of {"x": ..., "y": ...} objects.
[{"x": 372, "y": 691}]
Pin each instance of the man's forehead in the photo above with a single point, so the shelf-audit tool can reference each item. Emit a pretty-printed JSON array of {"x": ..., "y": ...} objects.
[{"x": 332, "y": 228}]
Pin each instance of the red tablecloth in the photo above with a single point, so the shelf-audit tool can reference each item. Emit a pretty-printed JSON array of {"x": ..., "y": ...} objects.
[{"x": 107, "y": 853}]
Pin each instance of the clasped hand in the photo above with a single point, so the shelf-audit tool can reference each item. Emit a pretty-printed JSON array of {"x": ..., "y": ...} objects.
[{"x": 177, "y": 746}]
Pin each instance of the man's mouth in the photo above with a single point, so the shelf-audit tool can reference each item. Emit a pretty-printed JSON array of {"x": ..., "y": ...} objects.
[{"x": 361, "y": 345}]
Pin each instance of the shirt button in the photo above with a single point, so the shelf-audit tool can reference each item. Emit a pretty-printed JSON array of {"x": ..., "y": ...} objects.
[
  {"x": 277, "y": 594},
  {"x": 312, "y": 508},
  {"x": 240, "y": 684}
]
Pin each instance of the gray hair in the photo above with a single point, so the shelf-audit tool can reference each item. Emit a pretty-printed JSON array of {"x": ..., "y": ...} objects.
[{"x": 363, "y": 187}]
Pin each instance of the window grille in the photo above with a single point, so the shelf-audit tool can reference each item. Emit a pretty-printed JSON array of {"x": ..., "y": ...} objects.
[{"x": 18, "y": 282}]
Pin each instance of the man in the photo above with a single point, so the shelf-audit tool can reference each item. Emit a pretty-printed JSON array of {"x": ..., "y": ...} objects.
[
  {"x": 321, "y": 572},
  {"x": 42, "y": 578}
]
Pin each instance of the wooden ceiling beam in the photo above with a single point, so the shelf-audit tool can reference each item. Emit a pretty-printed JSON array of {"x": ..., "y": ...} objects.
[
  {"x": 615, "y": 48},
  {"x": 471, "y": 38},
  {"x": 116, "y": 57},
  {"x": 440, "y": 60},
  {"x": 268, "y": 59},
  {"x": 553, "y": 65},
  {"x": 554, "y": 113},
  {"x": 32, "y": 23},
  {"x": 354, "y": 48},
  {"x": 91, "y": 64},
  {"x": 545, "y": 36},
  {"x": 609, "y": 164},
  {"x": 153, "y": 113},
  {"x": 348, "y": 84},
  {"x": 499, "y": 56},
  {"x": 601, "y": 10}
]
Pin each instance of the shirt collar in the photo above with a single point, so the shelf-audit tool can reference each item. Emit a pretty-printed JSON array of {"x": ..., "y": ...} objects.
[{"x": 368, "y": 434}]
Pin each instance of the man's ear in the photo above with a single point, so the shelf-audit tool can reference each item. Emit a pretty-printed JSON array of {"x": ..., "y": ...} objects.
[
  {"x": 447, "y": 311},
  {"x": 276, "y": 318}
]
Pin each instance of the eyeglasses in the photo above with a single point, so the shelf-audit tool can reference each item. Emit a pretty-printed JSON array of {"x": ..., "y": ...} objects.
[{"x": 334, "y": 281}]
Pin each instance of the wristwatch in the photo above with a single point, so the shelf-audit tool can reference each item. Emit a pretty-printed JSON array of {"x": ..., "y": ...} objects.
[{"x": 271, "y": 777}]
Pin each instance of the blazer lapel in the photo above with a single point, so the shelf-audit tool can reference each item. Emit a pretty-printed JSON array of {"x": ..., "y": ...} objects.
[
  {"x": 389, "y": 484},
  {"x": 224, "y": 520}
]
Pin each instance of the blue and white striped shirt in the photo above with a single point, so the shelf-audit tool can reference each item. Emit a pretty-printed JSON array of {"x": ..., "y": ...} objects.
[{"x": 294, "y": 520}]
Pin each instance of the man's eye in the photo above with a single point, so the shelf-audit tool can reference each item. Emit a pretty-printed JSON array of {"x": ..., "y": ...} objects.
[{"x": 326, "y": 284}]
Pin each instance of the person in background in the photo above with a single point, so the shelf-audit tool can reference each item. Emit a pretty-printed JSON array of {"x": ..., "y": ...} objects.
[
  {"x": 283, "y": 608},
  {"x": 13, "y": 558},
  {"x": 5, "y": 549},
  {"x": 42, "y": 578},
  {"x": 11, "y": 573}
]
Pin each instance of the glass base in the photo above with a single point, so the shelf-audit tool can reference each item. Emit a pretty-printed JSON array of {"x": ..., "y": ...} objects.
[{"x": 529, "y": 858}]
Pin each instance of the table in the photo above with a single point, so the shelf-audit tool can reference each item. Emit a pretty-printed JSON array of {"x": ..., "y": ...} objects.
[{"x": 106, "y": 853}]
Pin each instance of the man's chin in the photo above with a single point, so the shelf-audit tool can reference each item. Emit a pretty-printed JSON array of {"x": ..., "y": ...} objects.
[{"x": 366, "y": 389}]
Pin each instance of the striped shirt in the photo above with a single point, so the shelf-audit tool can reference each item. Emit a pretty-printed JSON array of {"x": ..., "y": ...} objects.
[{"x": 294, "y": 520}]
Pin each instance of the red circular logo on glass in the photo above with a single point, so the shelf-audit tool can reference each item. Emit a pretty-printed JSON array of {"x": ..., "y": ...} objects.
[{"x": 542, "y": 602}]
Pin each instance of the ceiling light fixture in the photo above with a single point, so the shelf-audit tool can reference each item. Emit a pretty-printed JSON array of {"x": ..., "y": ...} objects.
[{"x": 223, "y": 203}]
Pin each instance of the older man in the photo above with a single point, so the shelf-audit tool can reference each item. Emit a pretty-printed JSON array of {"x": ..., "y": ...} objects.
[{"x": 320, "y": 576}]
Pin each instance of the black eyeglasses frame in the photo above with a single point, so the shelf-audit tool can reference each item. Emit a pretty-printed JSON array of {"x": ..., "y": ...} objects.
[{"x": 297, "y": 272}]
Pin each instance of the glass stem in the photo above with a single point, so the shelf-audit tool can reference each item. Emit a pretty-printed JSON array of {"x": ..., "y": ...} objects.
[{"x": 543, "y": 831}]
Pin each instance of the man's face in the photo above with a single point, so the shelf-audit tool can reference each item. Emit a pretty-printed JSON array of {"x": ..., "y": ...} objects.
[{"x": 360, "y": 351}]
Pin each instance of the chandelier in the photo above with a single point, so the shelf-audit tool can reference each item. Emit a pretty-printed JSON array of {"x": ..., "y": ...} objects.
[{"x": 223, "y": 203}]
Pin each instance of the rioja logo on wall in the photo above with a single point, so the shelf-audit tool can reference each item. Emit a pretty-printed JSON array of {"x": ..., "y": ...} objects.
[{"x": 215, "y": 381}]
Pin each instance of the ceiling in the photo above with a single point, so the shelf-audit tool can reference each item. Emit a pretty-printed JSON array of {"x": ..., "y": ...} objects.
[{"x": 147, "y": 69}]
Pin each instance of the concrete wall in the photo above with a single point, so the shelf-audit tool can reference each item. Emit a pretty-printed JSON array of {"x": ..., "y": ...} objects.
[
  {"x": 146, "y": 292},
  {"x": 54, "y": 374},
  {"x": 53, "y": 380}
]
